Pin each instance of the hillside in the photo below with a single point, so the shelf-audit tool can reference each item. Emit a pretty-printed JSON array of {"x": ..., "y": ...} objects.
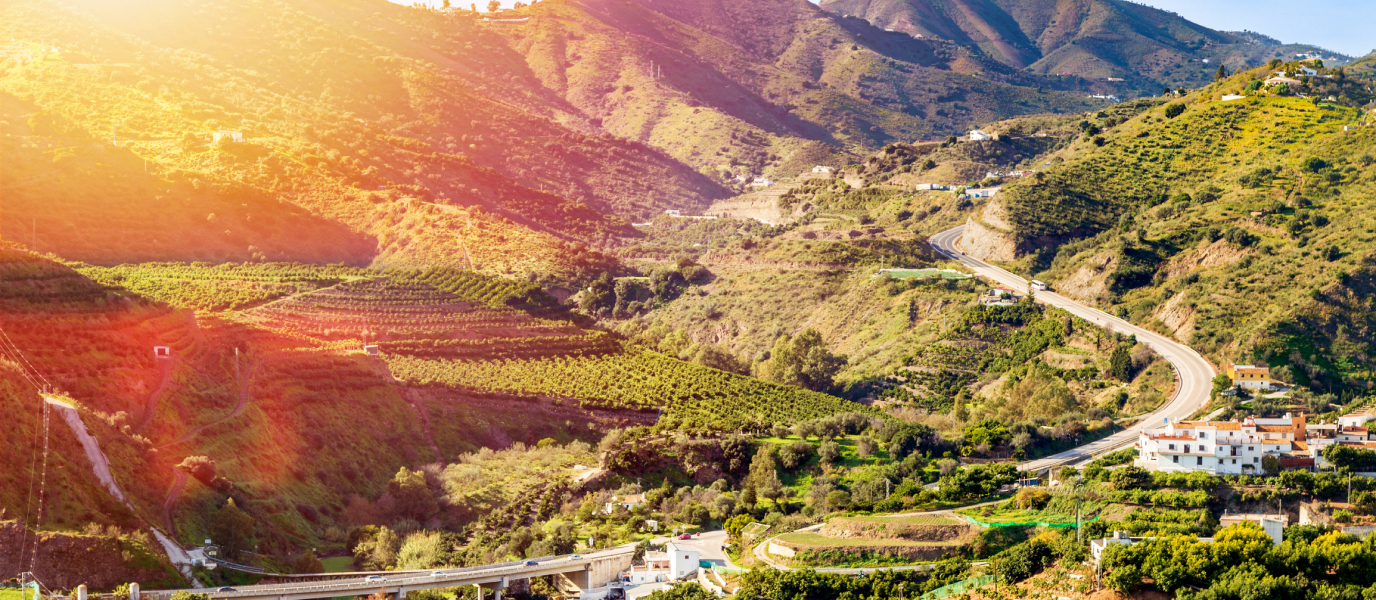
[
  {"x": 1145, "y": 47},
  {"x": 415, "y": 137},
  {"x": 1238, "y": 226}
]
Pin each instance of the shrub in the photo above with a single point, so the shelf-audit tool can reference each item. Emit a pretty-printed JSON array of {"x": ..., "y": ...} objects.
[{"x": 1174, "y": 110}]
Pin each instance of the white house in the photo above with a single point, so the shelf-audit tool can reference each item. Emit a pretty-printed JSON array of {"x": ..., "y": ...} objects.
[
  {"x": 672, "y": 212},
  {"x": 980, "y": 136},
  {"x": 823, "y": 170},
  {"x": 233, "y": 136},
  {"x": 1357, "y": 419},
  {"x": 933, "y": 187},
  {"x": 1273, "y": 525},
  {"x": 761, "y": 182},
  {"x": 1219, "y": 447},
  {"x": 677, "y": 562},
  {"x": 999, "y": 296},
  {"x": 629, "y": 502},
  {"x": 1232, "y": 97},
  {"x": 683, "y": 560},
  {"x": 982, "y": 192},
  {"x": 1308, "y": 71}
]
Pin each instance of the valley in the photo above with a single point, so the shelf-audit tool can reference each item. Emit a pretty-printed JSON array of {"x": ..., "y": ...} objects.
[{"x": 679, "y": 300}]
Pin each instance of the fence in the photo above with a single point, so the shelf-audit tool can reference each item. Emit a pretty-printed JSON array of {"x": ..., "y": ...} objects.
[
  {"x": 1057, "y": 525},
  {"x": 959, "y": 587}
]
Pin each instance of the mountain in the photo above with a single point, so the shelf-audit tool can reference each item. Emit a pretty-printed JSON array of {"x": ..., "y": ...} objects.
[
  {"x": 379, "y": 134},
  {"x": 1146, "y": 47}
]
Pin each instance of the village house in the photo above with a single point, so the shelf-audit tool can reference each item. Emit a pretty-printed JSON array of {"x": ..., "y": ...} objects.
[
  {"x": 998, "y": 297},
  {"x": 980, "y": 136},
  {"x": 934, "y": 187},
  {"x": 982, "y": 192},
  {"x": 233, "y": 136},
  {"x": 1249, "y": 377},
  {"x": 627, "y": 502},
  {"x": 678, "y": 562},
  {"x": 1273, "y": 525},
  {"x": 761, "y": 182},
  {"x": 1222, "y": 447},
  {"x": 823, "y": 170}
]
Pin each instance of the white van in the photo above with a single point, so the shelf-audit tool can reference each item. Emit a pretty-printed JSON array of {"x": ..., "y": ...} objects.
[{"x": 1039, "y": 286}]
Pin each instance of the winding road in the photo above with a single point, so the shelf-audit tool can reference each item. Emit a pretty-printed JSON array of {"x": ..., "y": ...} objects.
[{"x": 1193, "y": 372}]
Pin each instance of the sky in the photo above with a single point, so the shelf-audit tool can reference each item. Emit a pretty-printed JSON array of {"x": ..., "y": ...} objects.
[{"x": 1344, "y": 26}]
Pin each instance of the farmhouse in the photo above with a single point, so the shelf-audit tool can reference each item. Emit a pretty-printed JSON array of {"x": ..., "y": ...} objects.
[
  {"x": 1279, "y": 78},
  {"x": 233, "y": 136},
  {"x": 998, "y": 297},
  {"x": 982, "y": 192},
  {"x": 761, "y": 182},
  {"x": 980, "y": 136},
  {"x": 934, "y": 187},
  {"x": 627, "y": 502},
  {"x": 1249, "y": 377},
  {"x": 823, "y": 170}
]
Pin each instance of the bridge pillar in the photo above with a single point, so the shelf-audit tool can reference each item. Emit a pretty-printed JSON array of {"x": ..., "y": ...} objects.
[
  {"x": 134, "y": 591},
  {"x": 478, "y": 588},
  {"x": 81, "y": 592}
]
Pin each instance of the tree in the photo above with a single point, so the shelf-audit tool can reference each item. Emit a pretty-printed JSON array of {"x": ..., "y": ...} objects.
[
  {"x": 411, "y": 496},
  {"x": 1221, "y": 74},
  {"x": 1120, "y": 364},
  {"x": 735, "y": 524},
  {"x": 232, "y": 530},
  {"x": 829, "y": 452},
  {"x": 1125, "y": 580},
  {"x": 1221, "y": 382},
  {"x": 1130, "y": 478},
  {"x": 1174, "y": 110},
  {"x": 378, "y": 552},
  {"x": 493, "y": 5},
  {"x": 683, "y": 591},
  {"x": 795, "y": 454},
  {"x": 308, "y": 563},
  {"x": 735, "y": 452},
  {"x": 804, "y": 361}
]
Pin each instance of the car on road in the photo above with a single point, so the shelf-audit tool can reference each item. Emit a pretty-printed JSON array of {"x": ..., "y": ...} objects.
[
  {"x": 438, "y": 574},
  {"x": 226, "y": 589},
  {"x": 531, "y": 563},
  {"x": 686, "y": 536},
  {"x": 374, "y": 578},
  {"x": 576, "y": 557}
]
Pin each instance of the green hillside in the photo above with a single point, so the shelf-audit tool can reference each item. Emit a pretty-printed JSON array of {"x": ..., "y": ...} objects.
[{"x": 1238, "y": 226}]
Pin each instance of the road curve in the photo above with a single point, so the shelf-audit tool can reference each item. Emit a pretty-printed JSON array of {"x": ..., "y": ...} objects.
[{"x": 1193, "y": 372}]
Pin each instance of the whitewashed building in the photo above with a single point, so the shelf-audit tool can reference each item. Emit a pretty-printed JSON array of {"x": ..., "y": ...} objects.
[
  {"x": 980, "y": 136},
  {"x": 1219, "y": 447}
]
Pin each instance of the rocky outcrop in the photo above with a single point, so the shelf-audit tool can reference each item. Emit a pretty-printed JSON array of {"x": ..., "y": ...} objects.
[
  {"x": 1089, "y": 283},
  {"x": 1178, "y": 315},
  {"x": 1217, "y": 254},
  {"x": 987, "y": 243}
]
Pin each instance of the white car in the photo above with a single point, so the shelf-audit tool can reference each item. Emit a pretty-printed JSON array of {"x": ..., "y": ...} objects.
[
  {"x": 374, "y": 578},
  {"x": 438, "y": 574}
]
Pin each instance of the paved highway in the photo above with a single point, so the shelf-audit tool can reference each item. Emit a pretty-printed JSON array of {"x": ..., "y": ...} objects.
[{"x": 1193, "y": 372}]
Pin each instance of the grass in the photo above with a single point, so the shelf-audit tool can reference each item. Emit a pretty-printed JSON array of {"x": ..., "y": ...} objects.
[
  {"x": 338, "y": 564},
  {"x": 909, "y": 520},
  {"x": 923, "y": 274},
  {"x": 815, "y": 540}
]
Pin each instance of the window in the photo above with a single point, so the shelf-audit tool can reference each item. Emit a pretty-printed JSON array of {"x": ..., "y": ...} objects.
[
  {"x": 1175, "y": 459},
  {"x": 1234, "y": 461},
  {"x": 1187, "y": 448},
  {"x": 1203, "y": 435},
  {"x": 1255, "y": 460},
  {"x": 1249, "y": 448},
  {"x": 1199, "y": 460},
  {"x": 1172, "y": 446}
]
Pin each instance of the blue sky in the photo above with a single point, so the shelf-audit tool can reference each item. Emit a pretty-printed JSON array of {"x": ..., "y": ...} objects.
[{"x": 1346, "y": 26}]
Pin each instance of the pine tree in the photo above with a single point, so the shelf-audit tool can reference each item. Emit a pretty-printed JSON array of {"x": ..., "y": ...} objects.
[{"x": 1221, "y": 74}]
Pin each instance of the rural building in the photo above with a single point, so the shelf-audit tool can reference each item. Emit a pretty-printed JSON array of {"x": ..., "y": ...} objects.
[
  {"x": 1232, "y": 97},
  {"x": 761, "y": 182},
  {"x": 933, "y": 187},
  {"x": 372, "y": 350},
  {"x": 1222, "y": 447},
  {"x": 982, "y": 192},
  {"x": 1357, "y": 419},
  {"x": 1281, "y": 78},
  {"x": 627, "y": 502},
  {"x": 162, "y": 352},
  {"x": 824, "y": 170},
  {"x": 999, "y": 297},
  {"x": 233, "y": 136},
  {"x": 671, "y": 212},
  {"x": 1249, "y": 377},
  {"x": 677, "y": 562},
  {"x": 980, "y": 136}
]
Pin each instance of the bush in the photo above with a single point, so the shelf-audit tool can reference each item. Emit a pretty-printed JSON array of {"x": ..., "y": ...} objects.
[
  {"x": 1130, "y": 478},
  {"x": 1023, "y": 560},
  {"x": 1174, "y": 110}
]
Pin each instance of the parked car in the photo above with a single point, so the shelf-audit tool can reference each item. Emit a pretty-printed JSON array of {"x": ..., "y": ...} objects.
[
  {"x": 374, "y": 578},
  {"x": 531, "y": 563},
  {"x": 226, "y": 589}
]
